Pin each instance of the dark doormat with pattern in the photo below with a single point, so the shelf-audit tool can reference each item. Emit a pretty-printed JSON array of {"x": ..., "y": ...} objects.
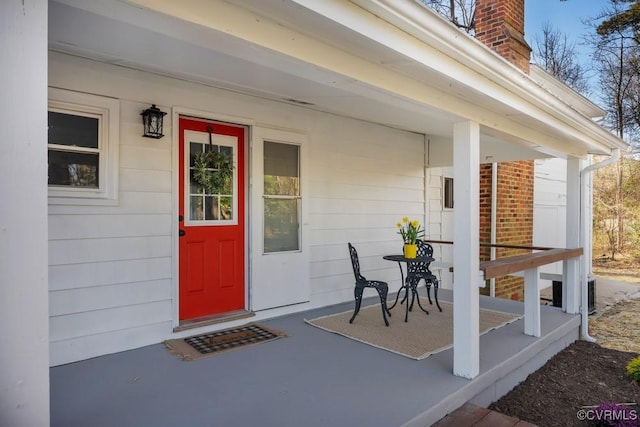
[{"x": 213, "y": 343}]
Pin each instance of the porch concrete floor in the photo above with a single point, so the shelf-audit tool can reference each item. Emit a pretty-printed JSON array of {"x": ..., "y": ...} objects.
[{"x": 311, "y": 378}]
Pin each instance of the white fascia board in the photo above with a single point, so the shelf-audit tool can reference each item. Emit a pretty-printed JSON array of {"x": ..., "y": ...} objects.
[
  {"x": 429, "y": 27},
  {"x": 566, "y": 93}
]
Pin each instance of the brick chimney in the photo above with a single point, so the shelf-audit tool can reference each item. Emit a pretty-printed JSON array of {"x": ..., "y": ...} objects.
[{"x": 499, "y": 24}]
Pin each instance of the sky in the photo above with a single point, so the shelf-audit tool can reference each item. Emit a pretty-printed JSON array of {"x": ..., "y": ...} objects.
[{"x": 564, "y": 16}]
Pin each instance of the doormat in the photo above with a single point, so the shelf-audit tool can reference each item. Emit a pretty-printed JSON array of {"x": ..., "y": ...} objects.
[{"x": 213, "y": 343}]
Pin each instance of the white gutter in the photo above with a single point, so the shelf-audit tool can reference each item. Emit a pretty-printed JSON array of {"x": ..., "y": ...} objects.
[
  {"x": 584, "y": 230},
  {"x": 427, "y": 26}
]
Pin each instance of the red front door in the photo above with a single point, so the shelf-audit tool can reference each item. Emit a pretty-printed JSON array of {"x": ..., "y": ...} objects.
[{"x": 211, "y": 219}]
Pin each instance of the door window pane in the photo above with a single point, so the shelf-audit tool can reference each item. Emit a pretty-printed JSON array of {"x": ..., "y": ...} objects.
[
  {"x": 281, "y": 225},
  {"x": 226, "y": 207},
  {"x": 210, "y": 193},
  {"x": 196, "y": 208},
  {"x": 281, "y": 174},
  {"x": 281, "y": 197}
]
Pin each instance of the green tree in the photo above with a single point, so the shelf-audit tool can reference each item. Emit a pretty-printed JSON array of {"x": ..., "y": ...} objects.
[
  {"x": 622, "y": 20},
  {"x": 616, "y": 55}
]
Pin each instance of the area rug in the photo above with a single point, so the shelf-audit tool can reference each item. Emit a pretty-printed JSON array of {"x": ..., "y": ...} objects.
[
  {"x": 422, "y": 336},
  {"x": 213, "y": 343}
]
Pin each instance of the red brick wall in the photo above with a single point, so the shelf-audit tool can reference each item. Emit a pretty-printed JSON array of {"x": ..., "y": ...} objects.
[
  {"x": 514, "y": 219},
  {"x": 485, "y": 215},
  {"x": 485, "y": 209},
  {"x": 499, "y": 24}
]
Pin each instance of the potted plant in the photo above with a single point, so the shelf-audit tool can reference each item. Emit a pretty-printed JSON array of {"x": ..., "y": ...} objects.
[{"x": 410, "y": 231}]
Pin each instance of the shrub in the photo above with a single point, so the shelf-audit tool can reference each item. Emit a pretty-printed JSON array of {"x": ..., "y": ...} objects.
[{"x": 633, "y": 369}]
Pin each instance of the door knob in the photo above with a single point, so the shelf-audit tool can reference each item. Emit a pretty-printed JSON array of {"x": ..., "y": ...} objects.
[{"x": 181, "y": 233}]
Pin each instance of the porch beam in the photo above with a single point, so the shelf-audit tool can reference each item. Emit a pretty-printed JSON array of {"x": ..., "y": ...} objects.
[
  {"x": 571, "y": 270},
  {"x": 466, "y": 252}
]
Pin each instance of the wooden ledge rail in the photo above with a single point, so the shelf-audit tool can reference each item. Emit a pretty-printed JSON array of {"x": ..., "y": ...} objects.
[
  {"x": 513, "y": 264},
  {"x": 491, "y": 245},
  {"x": 529, "y": 263}
]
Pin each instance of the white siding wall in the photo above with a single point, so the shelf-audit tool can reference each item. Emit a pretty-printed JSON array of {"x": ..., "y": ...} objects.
[
  {"x": 550, "y": 209},
  {"x": 364, "y": 180},
  {"x": 110, "y": 266},
  {"x": 111, "y": 273},
  {"x": 440, "y": 223}
]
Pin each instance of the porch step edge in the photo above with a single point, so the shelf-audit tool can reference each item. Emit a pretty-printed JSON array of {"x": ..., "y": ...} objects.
[{"x": 500, "y": 379}]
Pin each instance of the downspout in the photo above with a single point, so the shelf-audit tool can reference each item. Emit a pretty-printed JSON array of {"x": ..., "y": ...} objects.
[
  {"x": 494, "y": 221},
  {"x": 584, "y": 229}
]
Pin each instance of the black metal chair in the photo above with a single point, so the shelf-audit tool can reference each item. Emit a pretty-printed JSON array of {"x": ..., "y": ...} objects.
[
  {"x": 362, "y": 282},
  {"x": 420, "y": 271}
]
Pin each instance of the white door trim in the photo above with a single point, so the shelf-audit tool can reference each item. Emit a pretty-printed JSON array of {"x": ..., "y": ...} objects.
[{"x": 176, "y": 113}]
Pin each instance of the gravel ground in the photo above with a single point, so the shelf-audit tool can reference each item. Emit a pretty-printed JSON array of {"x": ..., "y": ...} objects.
[{"x": 618, "y": 327}]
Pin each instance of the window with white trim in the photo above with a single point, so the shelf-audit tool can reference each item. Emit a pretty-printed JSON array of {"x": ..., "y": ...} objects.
[{"x": 83, "y": 144}]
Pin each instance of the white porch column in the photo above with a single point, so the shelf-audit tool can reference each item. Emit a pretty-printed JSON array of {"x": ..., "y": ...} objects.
[
  {"x": 466, "y": 253},
  {"x": 571, "y": 270},
  {"x": 531, "y": 303},
  {"x": 24, "y": 311}
]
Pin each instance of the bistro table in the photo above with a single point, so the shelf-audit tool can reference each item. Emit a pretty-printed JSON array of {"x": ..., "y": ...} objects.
[{"x": 406, "y": 282}]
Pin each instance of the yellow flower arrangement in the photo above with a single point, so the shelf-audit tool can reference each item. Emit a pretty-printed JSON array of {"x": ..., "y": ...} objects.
[{"x": 410, "y": 231}]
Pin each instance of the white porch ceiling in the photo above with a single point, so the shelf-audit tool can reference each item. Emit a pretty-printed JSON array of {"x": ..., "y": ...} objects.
[
  {"x": 121, "y": 33},
  {"x": 234, "y": 65}
]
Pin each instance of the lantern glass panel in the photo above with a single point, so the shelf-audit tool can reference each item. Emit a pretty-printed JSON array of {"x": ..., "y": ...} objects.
[{"x": 152, "y": 119}]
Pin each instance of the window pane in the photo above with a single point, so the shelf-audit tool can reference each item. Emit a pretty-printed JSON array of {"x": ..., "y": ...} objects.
[
  {"x": 281, "y": 225},
  {"x": 73, "y": 169},
  {"x": 281, "y": 169},
  {"x": 211, "y": 208},
  {"x": 194, "y": 148},
  {"x": 194, "y": 187},
  {"x": 218, "y": 208},
  {"x": 226, "y": 207},
  {"x": 448, "y": 193},
  {"x": 72, "y": 130},
  {"x": 196, "y": 208}
]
